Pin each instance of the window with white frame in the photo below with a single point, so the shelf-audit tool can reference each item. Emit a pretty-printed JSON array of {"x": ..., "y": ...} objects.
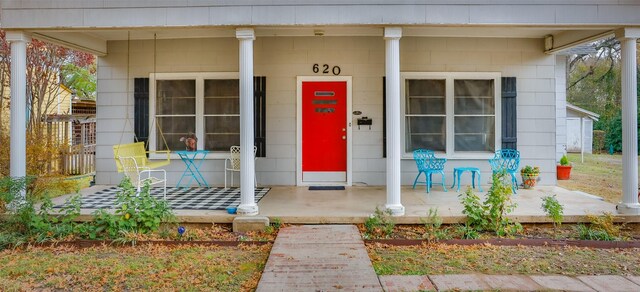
[
  {"x": 454, "y": 113},
  {"x": 206, "y": 104}
]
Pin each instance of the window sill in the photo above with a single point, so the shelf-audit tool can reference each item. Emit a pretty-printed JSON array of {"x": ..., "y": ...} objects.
[
  {"x": 210, "y": 156},
  {"x": 457, "y": 156}
]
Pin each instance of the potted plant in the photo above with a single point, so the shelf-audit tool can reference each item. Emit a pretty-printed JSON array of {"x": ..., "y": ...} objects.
[
  {"x": 190, "y": 142},
  {"x": 564, "y": 168},
  {"x": 529, "y": 176}
]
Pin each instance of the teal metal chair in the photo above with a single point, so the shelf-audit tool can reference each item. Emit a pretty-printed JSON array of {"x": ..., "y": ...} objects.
[
  {"x": 507, "y": 160},
  {"x": 428, "y": 164}
]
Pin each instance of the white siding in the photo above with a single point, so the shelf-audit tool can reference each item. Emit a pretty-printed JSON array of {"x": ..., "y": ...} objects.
[
  {"x": 145, "y": 13},
  {"x": 281, "y": 59}
]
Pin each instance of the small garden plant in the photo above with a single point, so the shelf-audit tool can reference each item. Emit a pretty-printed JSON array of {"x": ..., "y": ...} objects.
[
  {"x": 490, "y": 214},
  {"x": 564, "y": 161},
  {"x": 380, "y": 224},
  {"x": 554, "y": 209},
  {"x": 433, "y": 227},
  {"x": 138, "y": 213},
  {"x": 530, "y": 170},
  {"x": 600, "y": 228}
]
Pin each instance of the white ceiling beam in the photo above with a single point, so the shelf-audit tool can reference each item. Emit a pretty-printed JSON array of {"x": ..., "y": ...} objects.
[
  {"x": 569, "y": 39},
  {"x": 76, "y": 41}
]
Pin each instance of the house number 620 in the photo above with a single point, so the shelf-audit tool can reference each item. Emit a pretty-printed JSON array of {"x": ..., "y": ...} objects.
[{"x": 325, "y": 69}]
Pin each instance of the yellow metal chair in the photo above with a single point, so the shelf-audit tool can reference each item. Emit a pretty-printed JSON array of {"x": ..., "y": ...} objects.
[{"x": 137, "y": 150}]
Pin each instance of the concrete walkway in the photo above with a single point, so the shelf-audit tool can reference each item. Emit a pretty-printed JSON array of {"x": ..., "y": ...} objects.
[
  {"x": 319, "y": 258},
  {"x": 334, "y": 258},
  {"x": 478, "y": 282}
]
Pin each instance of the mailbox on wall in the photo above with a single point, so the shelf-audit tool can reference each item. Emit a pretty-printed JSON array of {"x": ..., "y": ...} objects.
[{"x": 365, "y": 121}]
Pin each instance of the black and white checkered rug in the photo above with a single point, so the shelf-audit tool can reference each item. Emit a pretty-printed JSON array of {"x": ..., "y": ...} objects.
[{"x": 178, "y": 198}]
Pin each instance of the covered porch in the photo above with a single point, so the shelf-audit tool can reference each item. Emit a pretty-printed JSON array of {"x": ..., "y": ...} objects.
[
  {"x": 368, "y": 48},
  {"x": 299, "y": 205}
]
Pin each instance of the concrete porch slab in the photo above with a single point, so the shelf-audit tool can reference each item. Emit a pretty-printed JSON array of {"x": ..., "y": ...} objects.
[{"x": 299, "y": 205}]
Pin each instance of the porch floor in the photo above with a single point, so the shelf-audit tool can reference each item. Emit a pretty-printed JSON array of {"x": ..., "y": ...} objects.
[{"x": 293, "y": 204}]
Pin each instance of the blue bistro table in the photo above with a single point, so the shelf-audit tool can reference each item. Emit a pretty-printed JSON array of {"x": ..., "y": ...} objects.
[
  {"x": 193, "y": 160},
  {"x": 458, "y": 171}
]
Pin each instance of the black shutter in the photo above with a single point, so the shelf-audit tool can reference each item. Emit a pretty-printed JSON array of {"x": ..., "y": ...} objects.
[
  {"x": 384, "y": 117},
  {"x": 141, "y": 109},
  {"x": 260, "y": 115},
  {"x": 509, "y": 113}
]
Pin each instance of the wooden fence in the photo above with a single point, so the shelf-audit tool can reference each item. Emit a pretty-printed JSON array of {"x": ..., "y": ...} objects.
[
  {"x": 78, "y": 159},
  {"x": 77, "y": 137}
]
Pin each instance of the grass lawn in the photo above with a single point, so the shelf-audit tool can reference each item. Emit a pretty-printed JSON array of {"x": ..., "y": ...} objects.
[
  {"x": 452, "y": 259},
  {"x": 152, "y": 268},
  {"x": 600, "y": 175}
]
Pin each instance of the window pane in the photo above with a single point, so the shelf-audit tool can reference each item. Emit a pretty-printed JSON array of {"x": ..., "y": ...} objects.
[
  {"x": 222, "y": 96},
  {"x": 425, "y": 96},
  {"x": 426, "y": 105},
  {"x": 222, "y": 132},
  {"x": 174, "y": 97},
  {"x": 172, "y": 129},
  {"x": 474, "y": 97},
  {"x": 474, "y": 134},
  {"x": 426, "y": 87},
  {"x": 425, "y": 132}
]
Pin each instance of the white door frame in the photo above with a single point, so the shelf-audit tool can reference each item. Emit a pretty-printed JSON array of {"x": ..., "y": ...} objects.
[{"x": 348, "y": 118}]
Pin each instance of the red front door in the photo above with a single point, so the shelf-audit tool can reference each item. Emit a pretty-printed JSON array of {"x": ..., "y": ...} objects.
[{"x": 324, "y": 131}]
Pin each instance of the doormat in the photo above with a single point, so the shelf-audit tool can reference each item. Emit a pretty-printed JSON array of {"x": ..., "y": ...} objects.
[
  {"x": 326, "y": 188},
  {"x": 178, "y": 198}
]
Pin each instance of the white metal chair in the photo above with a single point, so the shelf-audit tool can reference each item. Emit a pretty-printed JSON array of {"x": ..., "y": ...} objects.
[
  {"x": 139, "y": 175},
  {"x": 232, "y": 164}
]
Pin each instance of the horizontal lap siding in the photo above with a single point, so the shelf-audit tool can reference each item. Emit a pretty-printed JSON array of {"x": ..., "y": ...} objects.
[
  {"x": 143, "y": 13},
  {"x": 281, "y": 59}
]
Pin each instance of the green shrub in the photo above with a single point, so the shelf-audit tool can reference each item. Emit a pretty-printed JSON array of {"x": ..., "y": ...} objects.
[
  {"x": 379, "y": 224},
  {"x": 588, "y": 233},
  {"x": 491, "y": 214},
  {"x": 467, "y": 232},
  {"x": 137, "y": 213},
  {"x": 474, "y": 209},
  {"x": 564, "y": 161},
  {"x": 600, "y": 228},
  {"x": 554, "y": 209},
  {"x": 433, "y": 227},
  {"x": 36, "y": 224}
]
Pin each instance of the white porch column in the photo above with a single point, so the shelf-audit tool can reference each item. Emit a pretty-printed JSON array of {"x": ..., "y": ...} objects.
[
  {"x": 629, "y": 204},
  {"x": 248, "y": 204},
  {"x": 18, "y": 142},
  {"x": 392, "y": 64}
]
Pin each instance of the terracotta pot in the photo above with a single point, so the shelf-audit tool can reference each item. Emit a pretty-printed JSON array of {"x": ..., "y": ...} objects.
[
  {"x": 564, "y": 172},
  {"x": 529, "y": 180}
]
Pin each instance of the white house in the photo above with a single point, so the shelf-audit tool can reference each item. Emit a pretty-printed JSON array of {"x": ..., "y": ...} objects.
[
  {"x": 297, "y": 79},
  {"x": 580, "y": 129}
]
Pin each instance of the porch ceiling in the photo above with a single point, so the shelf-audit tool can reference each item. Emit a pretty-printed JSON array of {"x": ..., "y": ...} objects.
[{"x": 94, "y": 40}]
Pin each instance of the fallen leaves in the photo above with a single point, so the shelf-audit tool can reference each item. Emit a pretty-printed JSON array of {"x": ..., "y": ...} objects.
[
  {"x": 443, "y": 258},
  {"x": 148, "y": 267}
]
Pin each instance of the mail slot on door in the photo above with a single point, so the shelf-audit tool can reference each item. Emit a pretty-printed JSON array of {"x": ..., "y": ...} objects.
[{"x": 365, "y": 121}]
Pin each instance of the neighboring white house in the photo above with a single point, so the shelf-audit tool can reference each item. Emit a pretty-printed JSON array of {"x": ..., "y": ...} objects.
[
  {"x": 580, "y": 129},
  {"x": 463, "y": 78}
]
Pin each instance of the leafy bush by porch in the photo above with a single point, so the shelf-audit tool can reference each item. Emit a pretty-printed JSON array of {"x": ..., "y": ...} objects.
[
  {"x": 490, "y": 214},
  {"x": 31, "y": 220}
]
